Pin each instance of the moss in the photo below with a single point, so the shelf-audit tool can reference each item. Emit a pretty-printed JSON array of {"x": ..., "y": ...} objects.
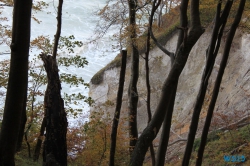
[
  {"x": 162, "y": 37},
  {"x": 220, "y": 144},
  {"x": 169, "y": 28},
  {"x": 98, "y": 77}
]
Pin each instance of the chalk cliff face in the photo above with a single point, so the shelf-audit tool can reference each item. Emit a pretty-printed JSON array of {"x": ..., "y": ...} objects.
[{"x": 234, "y": 96}]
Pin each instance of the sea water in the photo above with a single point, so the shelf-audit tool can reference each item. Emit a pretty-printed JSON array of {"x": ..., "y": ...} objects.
[{"x": 78, "y": 19}]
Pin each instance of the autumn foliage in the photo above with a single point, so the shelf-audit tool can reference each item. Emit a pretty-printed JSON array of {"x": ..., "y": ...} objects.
[{"x": 96, "y": 142}]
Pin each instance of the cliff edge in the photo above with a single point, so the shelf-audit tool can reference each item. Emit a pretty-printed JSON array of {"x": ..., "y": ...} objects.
[{"x": 233, "y": 100}]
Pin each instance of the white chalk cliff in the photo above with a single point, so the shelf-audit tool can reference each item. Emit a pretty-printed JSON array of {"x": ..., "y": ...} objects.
[{"x": 234, "y": 96}]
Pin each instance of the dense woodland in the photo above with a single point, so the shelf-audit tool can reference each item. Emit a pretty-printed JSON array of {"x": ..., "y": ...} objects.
[{"x": 37, "y": 133}]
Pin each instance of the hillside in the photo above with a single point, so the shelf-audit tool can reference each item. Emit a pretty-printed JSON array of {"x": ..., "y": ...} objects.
[{"x": 233, "y": 101}]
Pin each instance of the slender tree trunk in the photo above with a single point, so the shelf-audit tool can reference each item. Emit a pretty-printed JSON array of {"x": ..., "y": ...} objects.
[
  {"x": 161, "y": 152},
  {"x": 151, "y": 148},
  {"x": 154, "y": 8},
  {"x": 184, "y": 49},
  {"x": 211, "y": 55},
  {"x": 218, "y": 81},
  {"x": 159, "y": 20},
  {"x": 160, "y": 158},
  {"x": 132, "y": 91},
  {"x": 170, "y": 6},
  {"x": 162, "y": 149},
  {"x": 18, "y": 80},
  {"x": 39, "y": 141},
  {"x": 117, "y": 109}
]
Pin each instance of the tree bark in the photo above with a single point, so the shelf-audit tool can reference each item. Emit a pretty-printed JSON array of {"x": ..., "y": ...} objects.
[
  {"x": 18, "y": 80},
  {"x": 161, "y": 153},
  {"x": 220, "y": 23},
  {"x": 39, "y": 141},
  {"x": 117, "y": 109},
  {"x": 55, "y": 146},
  {"x": 218, "y": 81},
  {"x": 132, "y": 91},
  {"x": 185, "y": 47},
  {"x": 162, "y": 150},
  {"x": 154, "y": 8},
  {"x": 22, "y": 126}
]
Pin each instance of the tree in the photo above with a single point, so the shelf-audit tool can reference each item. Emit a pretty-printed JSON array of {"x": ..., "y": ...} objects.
[
  {"x": 184, "y": 45},
  {"x": 154, "y": 8},
  {"x": 37, "y": 78},
  {"x": 18, "y": 80},
  {"x": 211, "y": 55},
  {"x": 55, "y": 146},
  {"x": 132, "y": 91},
  {"x": 117, "y": 109},
  {"x": 219, "y": 78}
]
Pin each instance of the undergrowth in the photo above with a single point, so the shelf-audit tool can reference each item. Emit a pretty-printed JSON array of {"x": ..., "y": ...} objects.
[{"x": 220, "y": 144}]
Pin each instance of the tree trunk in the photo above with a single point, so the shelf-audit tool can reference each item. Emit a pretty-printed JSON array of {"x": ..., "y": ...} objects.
[
  {"x": 132, "y": 91},
  {"x": 185, "y": 47},
  {"x": 22, "y": 126},
  {"x": 117, "y": 109},
  {"x": 218, "y": 81},
  {"x": 154, "y": 8},
  {"x": 161, "y": 152},
  {"x": 211, "y": 55},
  {"x": 39, "y": 141},
  {"x": 55, "y": 146},
  {"x": 18, "y": 80},
  {"x": 159, "y": 20}
]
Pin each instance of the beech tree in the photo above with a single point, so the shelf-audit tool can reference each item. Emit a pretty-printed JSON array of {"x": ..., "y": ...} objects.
[
  {"x": 148, "y": 44},
  {"x": 186, "y": 40},
  {"x": 220, "y": 23},
  {"x": 217, "y": 83},
  {"x": 117, "y": 109},
  {"x": 14, "y": 108},
  {"x": 188, "y": 36},
  {"x": 132, "y": 90}
]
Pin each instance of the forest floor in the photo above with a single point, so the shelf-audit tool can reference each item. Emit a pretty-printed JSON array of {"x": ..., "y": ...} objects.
[{"x": 232, "y": 143}]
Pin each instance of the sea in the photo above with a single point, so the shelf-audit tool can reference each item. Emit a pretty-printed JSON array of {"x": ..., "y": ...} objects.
[{"x": 79, "y": 19}]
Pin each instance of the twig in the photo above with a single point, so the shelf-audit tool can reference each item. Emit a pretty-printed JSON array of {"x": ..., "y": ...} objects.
[{"x": 238, "y": 148}]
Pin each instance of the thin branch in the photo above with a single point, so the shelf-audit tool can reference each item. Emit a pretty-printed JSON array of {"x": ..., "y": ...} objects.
[
  {"x": 238, "y": 123},
  {"x": 8, "y": 5},
  {"x": 170, "y": 54},
  {"x": 5, "y": 53},
  {"x": 175, "y": 133},
  {"x": 142, "y": 6},
  {"x": 59, "y": 26},
  {"x": 179, "y": 140}
]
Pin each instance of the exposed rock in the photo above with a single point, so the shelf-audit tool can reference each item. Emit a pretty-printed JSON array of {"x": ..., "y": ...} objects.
[{"x": 234, "y": 96}]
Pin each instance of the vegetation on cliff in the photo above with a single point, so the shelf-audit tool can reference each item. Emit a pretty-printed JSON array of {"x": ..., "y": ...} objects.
[{"x": 88, "y": 143}]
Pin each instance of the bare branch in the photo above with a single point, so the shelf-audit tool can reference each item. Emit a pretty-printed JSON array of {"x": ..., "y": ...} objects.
[
  {"x": 179, "y": 140},
  {"x": 170, "y": 54},
  {"x": 59, "y": 26}
]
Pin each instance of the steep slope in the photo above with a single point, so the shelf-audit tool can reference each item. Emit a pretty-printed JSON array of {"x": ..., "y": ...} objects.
[{"x": 233, "y": 101}]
